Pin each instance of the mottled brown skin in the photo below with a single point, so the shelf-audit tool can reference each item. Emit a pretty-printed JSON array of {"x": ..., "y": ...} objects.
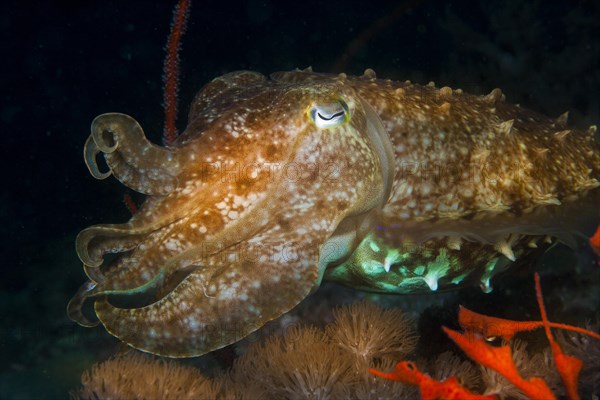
[{"x": 278, "y": 183}]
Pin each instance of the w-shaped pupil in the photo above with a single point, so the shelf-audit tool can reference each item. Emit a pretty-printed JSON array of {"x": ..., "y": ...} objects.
[{"x": 338, "y": 114}]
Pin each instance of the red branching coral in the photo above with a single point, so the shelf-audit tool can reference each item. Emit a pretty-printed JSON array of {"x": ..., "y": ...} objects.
[
  {"x": 568, "y": 367},
  {"x": 500, "y": 359},
  {"x": 407, "y": 372},
  {"x": 586, "y": 349},
  {"x": 492, "y": 327}
]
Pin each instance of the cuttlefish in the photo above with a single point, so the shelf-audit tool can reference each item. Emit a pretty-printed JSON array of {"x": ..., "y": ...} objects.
[{"x": 280, "y": 183}]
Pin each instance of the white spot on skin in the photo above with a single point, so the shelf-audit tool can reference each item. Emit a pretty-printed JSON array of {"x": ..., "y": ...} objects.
[
  {"x": 227, "y": 294},
  {"x": 173, "y": 244},
  {"x": 425, "y": 189},
  {"x": 193, "y": 323}
]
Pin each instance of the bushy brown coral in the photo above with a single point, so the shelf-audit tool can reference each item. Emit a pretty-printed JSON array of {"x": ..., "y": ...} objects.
[
  {"x": 371, "y": 387},
  {"x": 306, "y": 362},
  {"x": 448, "y": 364},
  {"x": 370, "y": 332},
  {"x": 138, "y": 376},
  {"x": 299, "y": 365},
  {"x": 303, "y": 362}
]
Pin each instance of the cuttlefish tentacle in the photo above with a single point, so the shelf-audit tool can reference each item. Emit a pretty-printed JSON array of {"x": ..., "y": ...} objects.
[
  {"x": 96, "y": 241},
  {"x": 74, "y": 308},
  {"x": 131, "y": 274},
  {"x": 133, "y": 268},
  {"x": 131, "y": 158},
  {"x": 136, "y": 273},
  {"x": 157, "y": 212},
  {"x": 90, "y": 152},
  {"x": 144, "y": 267}
]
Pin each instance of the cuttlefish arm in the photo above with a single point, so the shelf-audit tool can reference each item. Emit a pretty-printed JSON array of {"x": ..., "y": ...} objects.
[
  {"x": 131, "y": 158},
  {"x": 212, "y": 282}
]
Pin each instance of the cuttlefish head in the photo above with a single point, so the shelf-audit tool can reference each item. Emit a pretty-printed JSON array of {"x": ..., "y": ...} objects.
[{"x": 270, "y": 183}]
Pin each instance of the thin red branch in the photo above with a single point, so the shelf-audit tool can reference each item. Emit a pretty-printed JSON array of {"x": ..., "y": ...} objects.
[
  {"x": 130, "y": 204},
  {"x": 171, "y": 70},
  {"x": 568, "y": 367},
  {"x": 506, "y": 328}
]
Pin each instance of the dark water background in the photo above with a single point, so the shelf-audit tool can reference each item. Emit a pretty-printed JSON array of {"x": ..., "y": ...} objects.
[{"x": 65, "y": 62}]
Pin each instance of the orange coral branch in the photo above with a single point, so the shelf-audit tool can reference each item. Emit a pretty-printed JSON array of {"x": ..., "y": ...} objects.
[
  {"x": 506, "y": 328},
  {"x": 492, "y": 326},
  {"x": 568, "y": 367},
  {"x": 595, "y": 241},
  {"x": 500, "y": 359},
  {"x": 171, "y": 70},
  {"x": 408, "y": 373}
]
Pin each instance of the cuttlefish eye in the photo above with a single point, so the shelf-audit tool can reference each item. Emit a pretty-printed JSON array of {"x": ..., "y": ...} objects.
[{"x": 327, "y": 115}]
